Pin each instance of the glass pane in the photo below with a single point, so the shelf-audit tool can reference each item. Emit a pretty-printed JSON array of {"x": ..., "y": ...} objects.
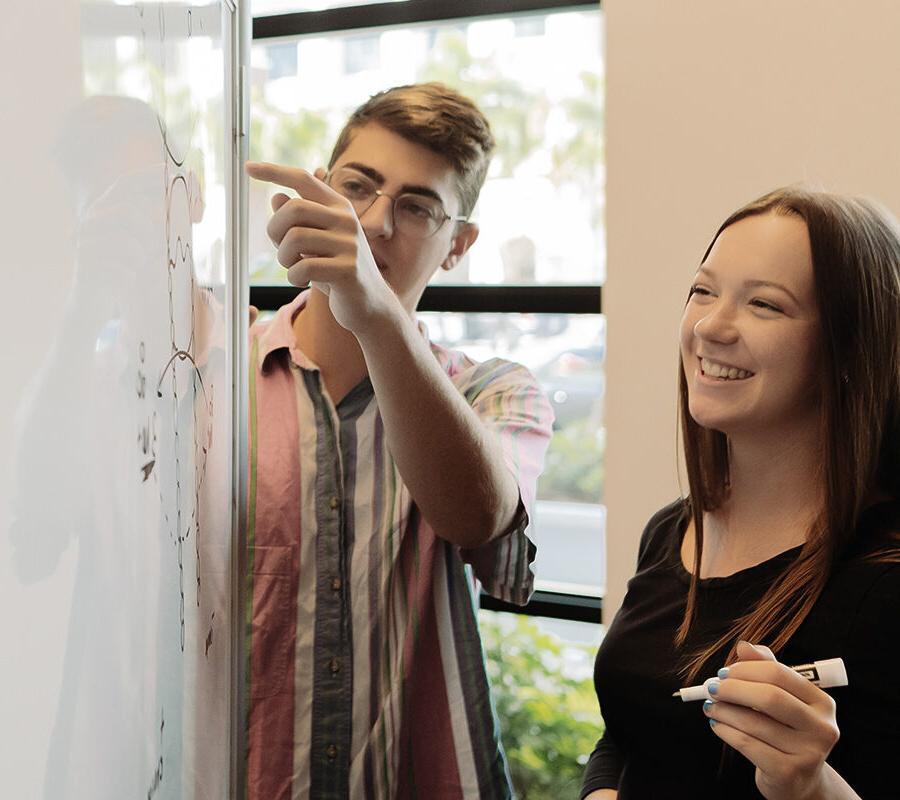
[
  {"x": 261, "y": 8},
  {"x": 539, "y": 79},
  {"x": 541, "y": 680},
  {"x": 566, "y": 354}
]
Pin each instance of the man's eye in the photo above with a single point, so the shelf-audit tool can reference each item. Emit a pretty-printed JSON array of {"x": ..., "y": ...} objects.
[
  {"x": 417, "y": 209},
  {"x": 352, "y": 188}
]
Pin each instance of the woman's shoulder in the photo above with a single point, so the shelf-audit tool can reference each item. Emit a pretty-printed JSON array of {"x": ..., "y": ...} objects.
[
  {"x": 866, "y": 580},
  {"x": 877, "y": 536},
  {"x": 663, "y": 529}
]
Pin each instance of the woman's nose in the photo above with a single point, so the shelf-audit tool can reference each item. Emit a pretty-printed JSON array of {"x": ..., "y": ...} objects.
[{"x": 717, "y": 325}]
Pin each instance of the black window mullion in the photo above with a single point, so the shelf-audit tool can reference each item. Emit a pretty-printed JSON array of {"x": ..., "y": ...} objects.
[
  {"x": 376, "y": 15},
  {"x": 578, "y": 608},
  {"x": 473, "y": 299}
]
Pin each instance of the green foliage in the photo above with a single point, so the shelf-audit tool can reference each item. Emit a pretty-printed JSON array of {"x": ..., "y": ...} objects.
[
  {"x": 517, "y": 116},
  {"x": 580, "y": 156},
  {"x": 573, "y": 467},
  {"x": 549, "y": 720},
  {"x": 300, "y": 140}
]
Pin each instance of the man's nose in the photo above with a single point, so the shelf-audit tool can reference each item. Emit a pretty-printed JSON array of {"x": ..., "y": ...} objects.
[{"x": 378, "y": 219}]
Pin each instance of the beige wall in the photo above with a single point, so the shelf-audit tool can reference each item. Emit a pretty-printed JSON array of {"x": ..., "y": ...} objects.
[{"x": 709, "y": 104}]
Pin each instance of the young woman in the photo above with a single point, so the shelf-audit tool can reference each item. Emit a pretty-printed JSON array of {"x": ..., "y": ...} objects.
[{"x": 790, "y": 537}]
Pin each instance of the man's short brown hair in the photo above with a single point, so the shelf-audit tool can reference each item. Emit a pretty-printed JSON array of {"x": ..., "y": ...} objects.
[{"x": 438, "y": 118}]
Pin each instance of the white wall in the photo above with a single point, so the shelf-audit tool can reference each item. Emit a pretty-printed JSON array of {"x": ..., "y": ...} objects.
[{"x": 710, "y": 103}]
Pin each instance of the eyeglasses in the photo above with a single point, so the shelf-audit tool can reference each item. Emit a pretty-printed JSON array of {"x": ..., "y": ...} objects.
[{"x": 415, "y": 215}]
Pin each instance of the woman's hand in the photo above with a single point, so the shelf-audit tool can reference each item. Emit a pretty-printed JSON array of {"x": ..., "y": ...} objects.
[{"x": 781, "y": 722}]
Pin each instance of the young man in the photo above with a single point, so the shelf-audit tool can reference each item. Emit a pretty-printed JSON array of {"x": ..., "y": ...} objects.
[{"x": 385, "y": 471}]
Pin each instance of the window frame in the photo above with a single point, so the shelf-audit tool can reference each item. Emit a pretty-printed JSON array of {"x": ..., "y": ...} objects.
[
  {"x": 532, "y": 299},
  {"x": 410, "y": 12}
]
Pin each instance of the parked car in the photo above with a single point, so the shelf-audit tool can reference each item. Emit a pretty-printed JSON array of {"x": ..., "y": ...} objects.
[{"x": 574, "y": 380}]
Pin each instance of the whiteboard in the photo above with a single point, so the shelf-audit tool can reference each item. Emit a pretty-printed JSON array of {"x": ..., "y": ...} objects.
[{"x": 118, "y": 415}]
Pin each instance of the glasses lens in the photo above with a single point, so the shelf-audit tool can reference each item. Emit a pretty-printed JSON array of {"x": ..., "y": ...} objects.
[
  {"x": 418, "y": 215},
  {"x": 414, "y": 214},
  {"x": 356, "y": 187}
]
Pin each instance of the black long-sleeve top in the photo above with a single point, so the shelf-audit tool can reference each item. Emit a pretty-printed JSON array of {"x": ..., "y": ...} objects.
[{"x": 656, "y": 746}]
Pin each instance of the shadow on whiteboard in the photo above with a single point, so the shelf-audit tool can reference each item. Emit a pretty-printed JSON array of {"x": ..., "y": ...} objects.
[{"x": 113, "y": 437}]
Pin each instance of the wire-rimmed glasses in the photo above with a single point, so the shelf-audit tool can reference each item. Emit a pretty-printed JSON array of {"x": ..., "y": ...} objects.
[{"x": 414, "y": 214}]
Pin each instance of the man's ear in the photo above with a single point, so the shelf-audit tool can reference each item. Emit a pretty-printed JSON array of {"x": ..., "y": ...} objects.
[{"x": 465, "y": 237}]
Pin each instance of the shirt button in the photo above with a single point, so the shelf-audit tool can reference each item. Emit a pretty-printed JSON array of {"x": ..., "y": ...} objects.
[
  {"x": 334, "y": 503},
  {"x": 331, "y": 752},
  {"x": 336, "y": 584},
  {"x": 335, "y": 666}
]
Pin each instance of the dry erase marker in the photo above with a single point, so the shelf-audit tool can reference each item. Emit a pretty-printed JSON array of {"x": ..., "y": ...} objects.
[{"x": 824, "y": 674}]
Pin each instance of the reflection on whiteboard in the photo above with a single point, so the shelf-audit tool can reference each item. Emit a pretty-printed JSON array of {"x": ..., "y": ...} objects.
[{"x": 120, "y": 509}]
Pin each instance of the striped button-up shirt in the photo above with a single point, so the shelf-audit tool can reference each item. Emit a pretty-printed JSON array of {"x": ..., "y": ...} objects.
[{"x": 367, "y": 677}]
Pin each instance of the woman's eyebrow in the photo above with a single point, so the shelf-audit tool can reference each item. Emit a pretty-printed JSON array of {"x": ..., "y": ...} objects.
[{"x": 755, "y": 283}]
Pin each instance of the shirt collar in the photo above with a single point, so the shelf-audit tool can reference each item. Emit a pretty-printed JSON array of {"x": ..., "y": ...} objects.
[{"x": 279, "y": 333}]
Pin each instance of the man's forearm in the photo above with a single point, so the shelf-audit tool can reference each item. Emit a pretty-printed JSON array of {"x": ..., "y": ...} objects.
[{"x": 450, "y": 462}]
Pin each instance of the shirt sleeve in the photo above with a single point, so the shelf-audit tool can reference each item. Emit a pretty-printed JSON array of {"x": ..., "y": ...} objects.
[
  {"x": 603, "y": 767},
  {"x": 508, "y": 401}
]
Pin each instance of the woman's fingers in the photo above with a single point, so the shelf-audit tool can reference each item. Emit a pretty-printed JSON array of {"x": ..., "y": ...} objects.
[
  {"x": 772, "y": 672},
  {"x": 815, "y": 733},
  {"x": 782, "y": 723},
  {"x": 754, "y": 652}
]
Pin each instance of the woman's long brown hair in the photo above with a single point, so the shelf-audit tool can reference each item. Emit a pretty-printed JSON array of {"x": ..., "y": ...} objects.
[{"x": 856, "y": 270}]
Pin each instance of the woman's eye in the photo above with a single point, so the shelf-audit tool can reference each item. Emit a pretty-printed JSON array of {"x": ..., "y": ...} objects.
[
  {"x": 765, "y": 304},
  {"x": 699, "y": 290}
]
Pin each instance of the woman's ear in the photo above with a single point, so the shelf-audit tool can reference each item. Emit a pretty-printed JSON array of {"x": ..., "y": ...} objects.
[{"x": 465, "y": 237}]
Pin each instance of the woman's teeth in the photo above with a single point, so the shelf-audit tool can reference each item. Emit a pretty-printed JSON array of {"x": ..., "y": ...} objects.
[{"x": 722, "y": 372}]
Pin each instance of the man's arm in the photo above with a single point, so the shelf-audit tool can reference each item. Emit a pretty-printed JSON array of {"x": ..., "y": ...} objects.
[{"x": 451, "y": 463}]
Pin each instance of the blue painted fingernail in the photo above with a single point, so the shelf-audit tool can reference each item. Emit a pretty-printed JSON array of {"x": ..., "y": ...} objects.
[
  {"x": 713, "y": 687},
  {"x": 707, "y": 705},
  {"x": 723, "y": 673},
  {"x": 712, "y": 723}
]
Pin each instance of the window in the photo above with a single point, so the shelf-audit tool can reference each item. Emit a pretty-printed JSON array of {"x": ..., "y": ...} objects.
[
  {"x": 539, "y": 79},
  {"x": 529, "y": 291},
  {"x": 282, "y": 60},
  {"x": 540, "y": 672},
  {"x": 565, "y": 352},
  {"x": 362, "y": 53}
]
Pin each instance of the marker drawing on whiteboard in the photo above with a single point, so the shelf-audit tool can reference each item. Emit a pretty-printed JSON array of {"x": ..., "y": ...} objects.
[
  {"x": 209, "y": 635},
  {"x": 824, "y": 674},
  {"x": 175, "y": 428},
  {"x": 157, "y": 777}
]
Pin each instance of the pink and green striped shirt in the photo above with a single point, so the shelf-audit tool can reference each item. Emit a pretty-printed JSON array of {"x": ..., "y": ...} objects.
[{"x": 367, "y": 676}]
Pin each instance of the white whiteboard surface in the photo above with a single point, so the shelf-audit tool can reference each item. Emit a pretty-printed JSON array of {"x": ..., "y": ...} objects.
[{"x": 117, "y": 412}]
